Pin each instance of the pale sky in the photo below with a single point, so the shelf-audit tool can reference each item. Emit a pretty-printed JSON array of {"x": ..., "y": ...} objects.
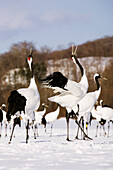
[{"x": 54, "y": 22}]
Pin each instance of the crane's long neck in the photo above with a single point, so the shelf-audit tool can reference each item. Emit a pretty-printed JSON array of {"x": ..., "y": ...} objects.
[
  {"x": 83, "y": 80},
  {"x": 102, "y": 104},
  {"x": 97, "y": 82},
  {"x": 44, "y": 109},
  {"x": 32, "y": 70},
  {"x": 80, "y": 66},
  {"x": 32, "y": 81}
]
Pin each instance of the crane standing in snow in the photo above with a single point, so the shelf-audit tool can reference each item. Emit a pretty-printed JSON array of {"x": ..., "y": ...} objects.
[
  {"x": 102, "y": 114},
  {"x": 3, "y": 119},
  {"x": 38, "y": 118},
  {"x": 32, "y": 98},
  {"x": 70, "y": 91},
  {"x": 50, "y": 117},
  {"x": 87, "y": 102}
]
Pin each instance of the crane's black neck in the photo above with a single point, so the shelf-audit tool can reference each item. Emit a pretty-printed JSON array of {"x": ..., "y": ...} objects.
[
  {"x": 102, "y": 104},
  {"x": 44, "y": 121},
  {"x": 32, "y": 70},
  {"x": 80, "y": 66},
  {"x": 97, "y": 82}
]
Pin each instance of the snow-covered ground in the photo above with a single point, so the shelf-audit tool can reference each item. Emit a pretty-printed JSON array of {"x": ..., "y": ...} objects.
[{"x": 51, "y": 153}]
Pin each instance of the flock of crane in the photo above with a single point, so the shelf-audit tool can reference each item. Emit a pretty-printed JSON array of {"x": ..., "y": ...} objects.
[{"x": 80, "y": 104}]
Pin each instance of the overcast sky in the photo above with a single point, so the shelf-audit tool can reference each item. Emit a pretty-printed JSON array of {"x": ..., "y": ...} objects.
[{"x": 54, "y": 22}]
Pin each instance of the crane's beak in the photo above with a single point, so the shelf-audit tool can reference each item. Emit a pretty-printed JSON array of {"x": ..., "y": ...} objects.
[
  {"x": 20, "y": 117},
  {"x": 46, "y": 105},
  {"x": 104, "y": 78}
]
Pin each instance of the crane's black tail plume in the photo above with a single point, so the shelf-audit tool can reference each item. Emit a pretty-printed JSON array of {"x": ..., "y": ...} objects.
[
  {"x": 43, "y": 121},
  {"x": 16, "y": 102},
  {"x": 56, "y": 79}
]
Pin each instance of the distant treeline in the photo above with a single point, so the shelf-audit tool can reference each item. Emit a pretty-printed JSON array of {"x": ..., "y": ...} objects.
[
  {"x": 16, "y": 57},
  {"x": 100, "y": 47}
]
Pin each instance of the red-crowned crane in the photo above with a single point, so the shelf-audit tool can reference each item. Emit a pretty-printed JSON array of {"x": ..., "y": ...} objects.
[
  {"x": 87, "y": 103},
  {"x": 38, "y": 117},
  {"x": 50, "y": 118},
  {"x": 103, "y": 114},
  {"x": 70, "y": 91},
  {"x": 32, "y": 96}
]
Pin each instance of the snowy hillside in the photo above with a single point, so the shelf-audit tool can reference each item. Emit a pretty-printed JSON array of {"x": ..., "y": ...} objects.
[
  {"x": 55, "y": 152},
  {"x": 66, "y": 66}
]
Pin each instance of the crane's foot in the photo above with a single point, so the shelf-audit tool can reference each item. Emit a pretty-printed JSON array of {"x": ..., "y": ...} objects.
[
  {"x": 69, "y": 140},
  {"x": 76, "y": 137}
]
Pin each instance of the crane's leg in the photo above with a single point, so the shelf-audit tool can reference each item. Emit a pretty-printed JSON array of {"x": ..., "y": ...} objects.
[
  {"x": 12, "y": 132},
  {"x": 104, "y": 130},
  {"x": 87, "y": 128},
  {"x": 10, "y": 127},
  {"x": 108, "y": 128},
  {"x": 85, "y": 135},
  {"x": 34, "y": 131},
  {"x": 82, "y": 135},
  {"x": 5, "y": 130},
  {"x": 97, "y": 129},
  {"x": 45, "y": 128},
  {"x": 1, "y": 129},
  {"x": 27, "y": 128},
  {"x": 78, "y": 129},
  {"x": 100, "y": 130},
  {"x": 67, "y": 119},
  {"x": 51, "y": 129}
]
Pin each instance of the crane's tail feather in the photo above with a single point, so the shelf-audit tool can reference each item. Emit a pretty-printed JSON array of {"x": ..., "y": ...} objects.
[{"x": 56, "y": 79}]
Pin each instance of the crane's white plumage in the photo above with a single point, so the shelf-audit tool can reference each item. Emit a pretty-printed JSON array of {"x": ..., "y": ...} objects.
[
  {"x": 78, "y": 89},
  {"x": 95, "y": 109},
  {"x": 52, "y": 116},
  {"x": 31, "y": 94},
  {"x": 102, "y": 113},
  {"x": 40, "y": 114},
  {"x": 32, "y": 97},
  {"x": 87, "y": 102},
  {"x": 105, "y": 112},
  {"x": 67, "y": 100},
  {"x": 74, "y": 91},
  {"x": 60, "y": 83}
]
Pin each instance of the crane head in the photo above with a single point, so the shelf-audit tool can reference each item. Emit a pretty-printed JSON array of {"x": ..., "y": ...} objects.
[{"x": 30, "y": 59}]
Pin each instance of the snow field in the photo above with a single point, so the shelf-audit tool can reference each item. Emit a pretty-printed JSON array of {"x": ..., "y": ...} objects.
[{"x": 52, "y": 153}]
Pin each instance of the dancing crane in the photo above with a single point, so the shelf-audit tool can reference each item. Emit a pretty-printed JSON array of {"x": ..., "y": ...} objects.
[
  {"x": 60, "y": 83},
  {"x": 71, "y": 91}
]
